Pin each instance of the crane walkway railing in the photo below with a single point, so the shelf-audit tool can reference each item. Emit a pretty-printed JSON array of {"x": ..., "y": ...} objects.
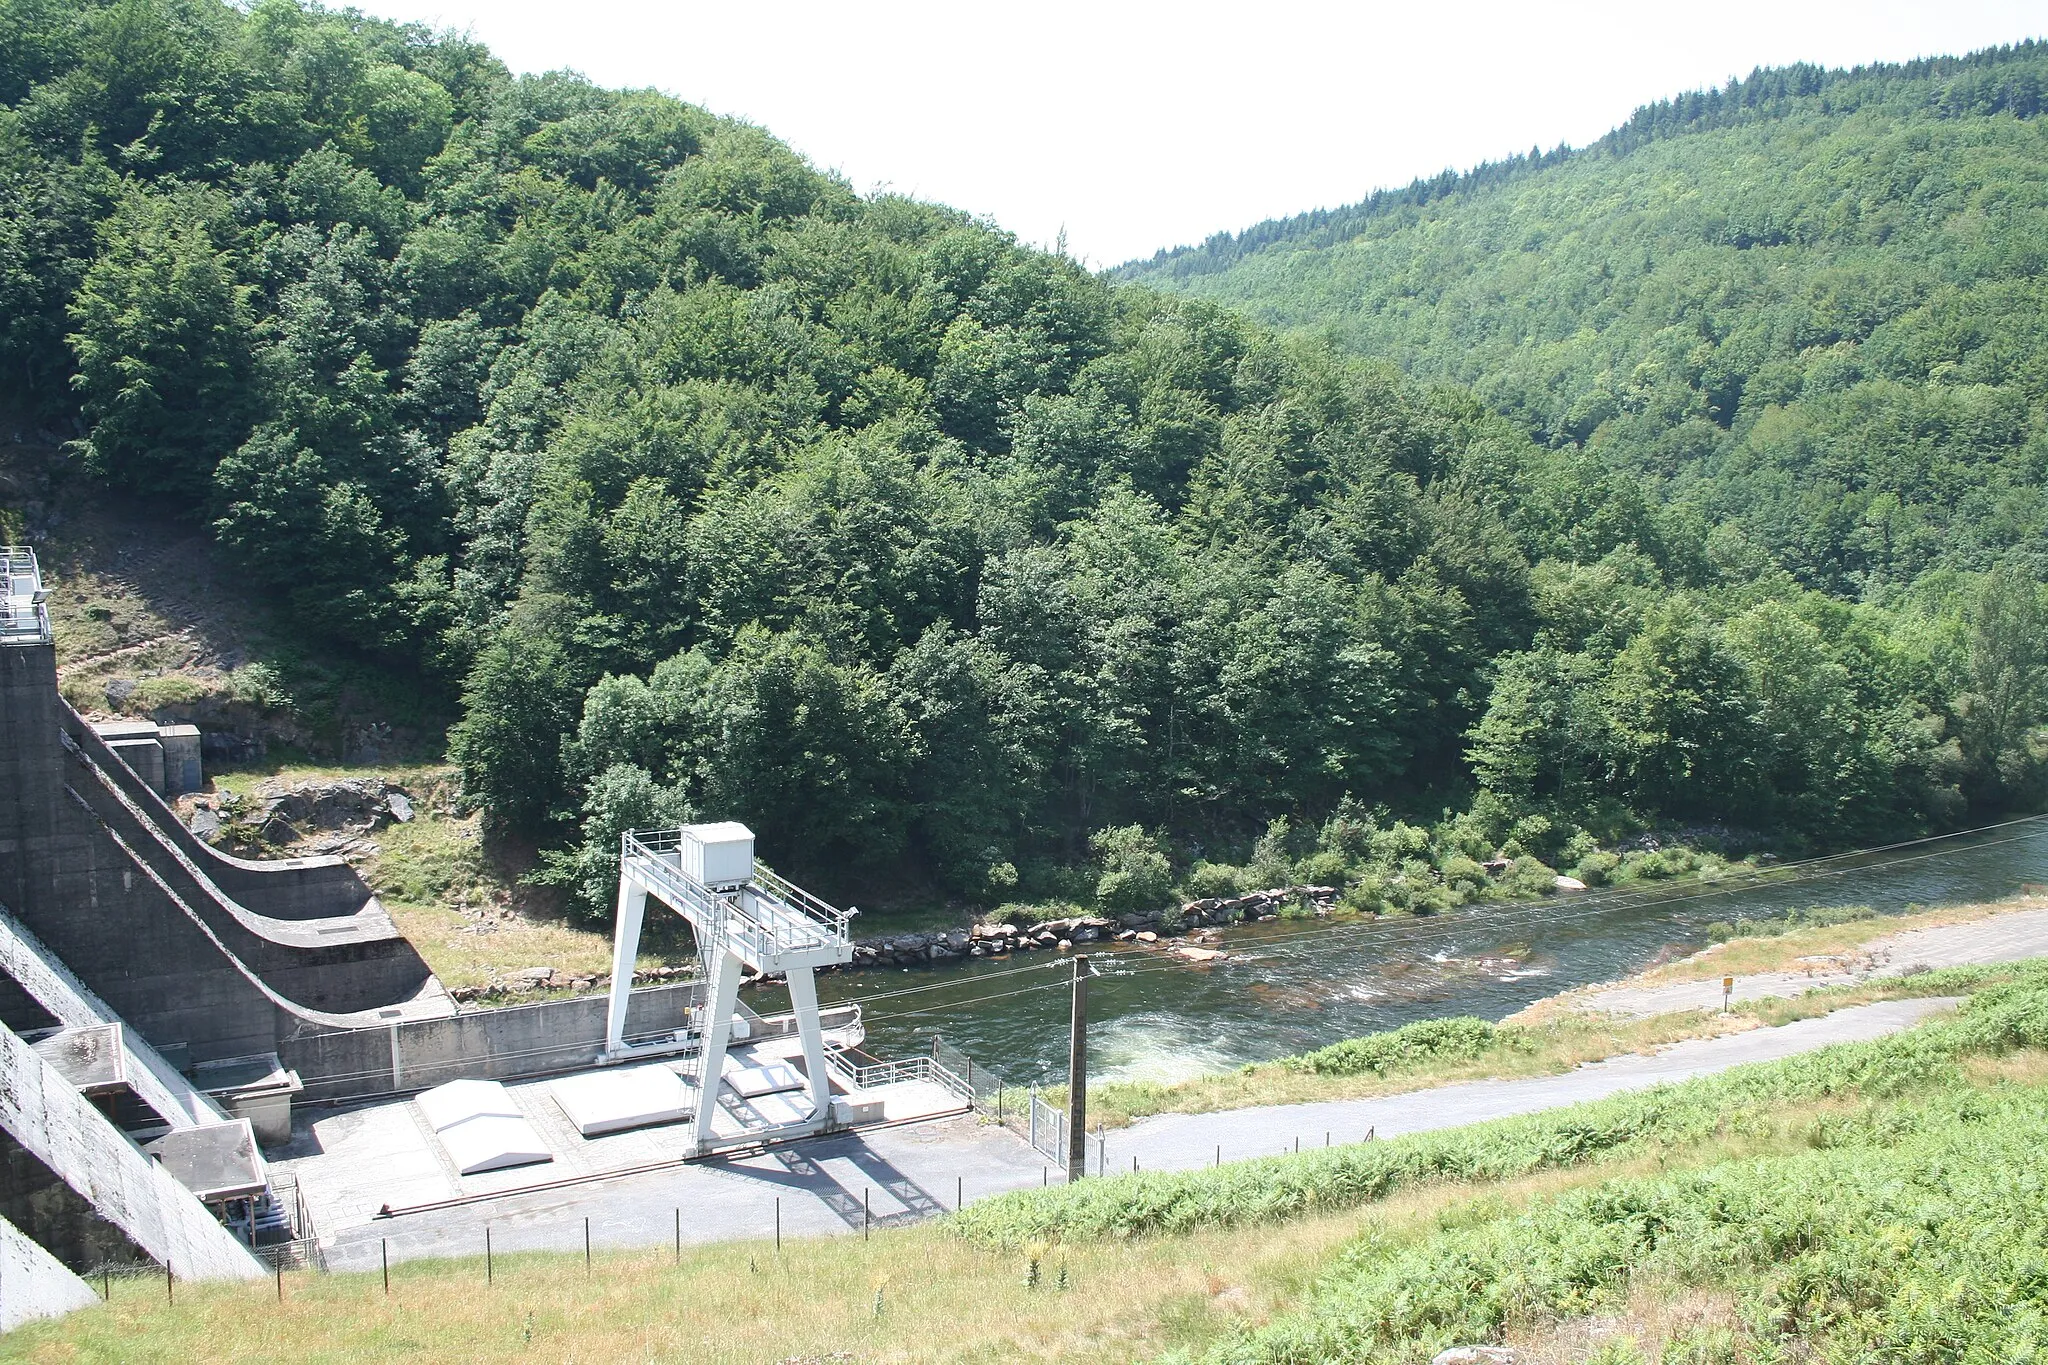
[{"x": 759, "y": 921}]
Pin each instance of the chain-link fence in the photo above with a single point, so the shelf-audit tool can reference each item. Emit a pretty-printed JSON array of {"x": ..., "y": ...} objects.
[{"x": 1018, "y": 1108}]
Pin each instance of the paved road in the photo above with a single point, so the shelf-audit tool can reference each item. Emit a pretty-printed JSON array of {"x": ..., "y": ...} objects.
[
  {"x": 2007, "y": 937},
  {"x": 1188, "y": 1141},
  {"x": 910, "y": 1173}
]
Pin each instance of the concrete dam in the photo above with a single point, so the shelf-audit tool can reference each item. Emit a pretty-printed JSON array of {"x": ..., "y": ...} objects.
[{"x": 164, "y": 1006}]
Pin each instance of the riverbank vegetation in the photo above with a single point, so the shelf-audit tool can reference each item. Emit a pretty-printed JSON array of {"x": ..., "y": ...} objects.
[
  {"x": 1456, "y": 1049},
  {"x": 700, "y": 484},
  {"x": 1829, "y": 1203}
]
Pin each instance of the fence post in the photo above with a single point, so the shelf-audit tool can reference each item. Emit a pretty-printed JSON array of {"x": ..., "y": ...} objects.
[
  {"x": 778, "y": 1225},
  {"x": 384, "y": 1254},
  {"x": 487, "y": 1253}
]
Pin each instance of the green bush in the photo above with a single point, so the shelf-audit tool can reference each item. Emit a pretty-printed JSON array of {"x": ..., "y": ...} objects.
[
  {"x": 1406, "y": 1048},
  {"x": 1325, "y": 867},
  {"x": 1596, "y": 867},
  {"x": 1528, "y": 877},
  {"x": 1026, "y": 914},
  {"x": 1898, "y": 1239},
  {"x": 1819, "y": 916},
  {"x": 1216, "y": 881},
  {"x": 1466, "y": 877},
  {"x": 1136, "y": 878}
]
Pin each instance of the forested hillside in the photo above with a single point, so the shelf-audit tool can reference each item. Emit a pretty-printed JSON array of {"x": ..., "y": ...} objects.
[
  {"x": 1810, "y": 304},
  {"x": 711, "y": 486}
]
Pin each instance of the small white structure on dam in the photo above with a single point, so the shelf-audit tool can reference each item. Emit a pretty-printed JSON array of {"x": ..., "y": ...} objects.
[{"x": 745, "y": 918}]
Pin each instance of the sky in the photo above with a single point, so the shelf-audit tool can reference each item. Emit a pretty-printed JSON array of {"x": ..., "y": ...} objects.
[{"x": 1127, "y": 127}]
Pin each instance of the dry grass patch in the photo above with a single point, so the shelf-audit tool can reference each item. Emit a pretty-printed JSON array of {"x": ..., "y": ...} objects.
[
  {"x": 1701, "y": 1324},
  {"x": 1747, "y": 956},
  {"x": 917, "y": 1294},
  {"x": 940, "y": 1298}
]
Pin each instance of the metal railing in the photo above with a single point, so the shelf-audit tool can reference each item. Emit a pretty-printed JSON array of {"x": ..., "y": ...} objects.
[
  {"x": 866, "y": 1075},
  {"x": 301, "y": 1249},
  {"x": 761, "y": 920},
  {"x": 24, "y": 619},
  {"x": 1045, "y": 1128}
]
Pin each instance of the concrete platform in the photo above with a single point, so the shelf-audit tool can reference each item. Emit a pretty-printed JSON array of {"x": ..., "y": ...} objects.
[
  {"x": 350, "y": 1162},
  {"x": 623, "y": 1098}
]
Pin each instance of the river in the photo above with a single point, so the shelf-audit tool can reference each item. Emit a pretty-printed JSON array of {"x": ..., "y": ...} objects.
[{"x": 1291, "y": 985}]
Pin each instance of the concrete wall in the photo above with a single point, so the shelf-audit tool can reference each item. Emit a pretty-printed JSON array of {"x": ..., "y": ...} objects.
[
  {"x": 33, "y": 1284},
  {"x": 287, "y": 888},
  {"x": 491, "y": 1044},
  {"x": 79, "y": 894},
  {"x": 51, "y": 1126},
  {"x": 296, "y": 958}
]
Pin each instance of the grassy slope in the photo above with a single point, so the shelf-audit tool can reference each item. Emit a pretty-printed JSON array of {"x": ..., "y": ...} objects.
[{"x": 1383, "y": 1250}]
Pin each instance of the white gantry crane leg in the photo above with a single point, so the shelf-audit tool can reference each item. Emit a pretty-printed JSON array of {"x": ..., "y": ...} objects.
[
  {"x": 720, "y": 1005},
  {"x": 803, "y": 999},
  {"x": 625, "y": 952}
]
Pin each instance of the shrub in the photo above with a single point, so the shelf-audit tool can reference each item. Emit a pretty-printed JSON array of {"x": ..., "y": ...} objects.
[
  {"x": 1528, "y": 876},
  {"x": 1819, "y": 916},
  {"x": 1465, "y": 877},
  {"x": 1216, "y": 881},
  {"x": 1595, "y": 868},
  {"x": 1271, "y": 864},
  {"x": 1326, "y": 867},
  {"x": 1136, "y": 878},
  {"x": 1379, "y": 1054},
  {"x": 1024, "y": 915}
]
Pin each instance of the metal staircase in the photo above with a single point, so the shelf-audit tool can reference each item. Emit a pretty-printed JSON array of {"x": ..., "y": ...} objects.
[{"x": 24, "y": 620}]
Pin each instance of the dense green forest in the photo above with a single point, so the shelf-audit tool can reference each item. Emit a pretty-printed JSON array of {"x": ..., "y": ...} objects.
[{"x": 710, "y": 486}]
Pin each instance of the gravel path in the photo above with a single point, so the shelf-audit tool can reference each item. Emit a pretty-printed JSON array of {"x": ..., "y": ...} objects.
[
  {"x": 905, "y": 1175},
  {"x": 2006, "y": 937},
  {"x": 1188, "y": 1141}
]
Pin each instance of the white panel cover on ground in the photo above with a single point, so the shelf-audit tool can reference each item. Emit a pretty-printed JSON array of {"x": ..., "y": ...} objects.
[
  {"x": 752, "y": 1082},
  {"x": 480, "y": 1126},
  {"x": 612, "y": 1101}
]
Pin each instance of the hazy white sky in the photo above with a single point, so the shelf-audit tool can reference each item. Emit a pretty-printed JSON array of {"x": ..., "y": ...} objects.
[{"x": 1138, "y": 125}]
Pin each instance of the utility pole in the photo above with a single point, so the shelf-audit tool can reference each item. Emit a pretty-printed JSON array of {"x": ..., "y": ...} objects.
[{"x": 1077, "y": 1077}]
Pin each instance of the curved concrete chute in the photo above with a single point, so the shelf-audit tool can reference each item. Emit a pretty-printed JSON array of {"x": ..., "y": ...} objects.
[
  {"x": 427, "y": 1001},
  {"x": 286, "y": 889},
  {"x": 297, "y": 957}
]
